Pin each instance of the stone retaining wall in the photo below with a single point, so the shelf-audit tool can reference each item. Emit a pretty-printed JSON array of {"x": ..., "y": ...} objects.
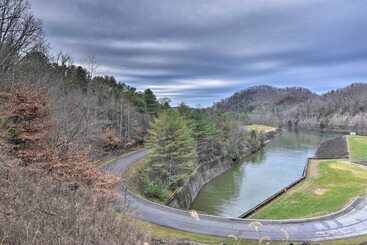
[
  {"x": 333, "y": 149},
  {"x": 207, "y": 171},
  {"x": 184, "y": 197}
]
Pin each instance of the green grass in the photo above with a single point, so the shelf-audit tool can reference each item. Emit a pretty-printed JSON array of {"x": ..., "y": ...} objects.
[
  {"x": 357, "y": 147},
  {"x": 259, "y": 128},
  {"x": 328, "y": 189},
  {"x": 166, "y": 233},
  {"x": 346, "y": 178},
  {"x": 130, "y": 177}
]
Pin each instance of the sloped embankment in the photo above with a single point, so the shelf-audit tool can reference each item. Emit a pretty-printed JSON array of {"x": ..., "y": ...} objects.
[
  {"x": 336, "y": 148},
  {"x": 185, "y": 196}
]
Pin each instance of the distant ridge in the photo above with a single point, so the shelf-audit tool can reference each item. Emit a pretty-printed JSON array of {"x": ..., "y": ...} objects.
[{"x": 340, "y": 109}]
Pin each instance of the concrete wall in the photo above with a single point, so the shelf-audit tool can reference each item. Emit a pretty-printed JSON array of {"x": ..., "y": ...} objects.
[
  {"x": 251, "y": 211},
  {"x": 185, "y": 196},
  {"x": 338, "y": 143}
]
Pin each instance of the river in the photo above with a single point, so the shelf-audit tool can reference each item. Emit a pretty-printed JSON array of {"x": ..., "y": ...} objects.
[{"x": 261, "y": 175}]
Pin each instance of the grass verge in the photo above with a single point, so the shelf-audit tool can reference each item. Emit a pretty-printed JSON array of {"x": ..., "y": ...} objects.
[
  {"x": 174, "y": 235},
  {"x": 130, "y": 177},
  {"x": 330, "y": 185},
  {"x": 169, "y": 234},
  {"x": 357, "y": 147},
  {"x": 259, "y": 128}
]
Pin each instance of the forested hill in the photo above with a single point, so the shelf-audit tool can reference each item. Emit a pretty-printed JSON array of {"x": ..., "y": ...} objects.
[
  {"x": 344, "y": 109},
  {"x": 264, "y": 97},
  {"x": 87, "y": 110}
]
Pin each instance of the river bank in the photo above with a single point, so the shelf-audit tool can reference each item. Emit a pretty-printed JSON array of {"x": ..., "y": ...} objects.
[
  {"x": 185, "y": 196},
  {"x": 260, "y": 176},
  {"x": 333, "y": 180},
  {"x": 352, "y": 222}
]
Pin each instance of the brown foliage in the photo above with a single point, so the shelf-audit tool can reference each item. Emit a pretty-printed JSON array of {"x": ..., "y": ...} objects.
[
  {"x": 26, "y": 125},
  {"x": 111, "y": 141},
  {"x": 25, "y": 121},
  {"x": 37, "y": 209},
  {"x": 50, "y": 193}
]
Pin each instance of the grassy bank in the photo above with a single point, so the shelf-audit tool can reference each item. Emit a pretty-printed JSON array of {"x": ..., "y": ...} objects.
[
  {"x": 169, "y": 234},
  {"x": 329, "y": 186},
  {"x": 259, "y": 128},
  {"x": 357, "y": 147},
  {"x": 341, "y": 172},
  {"x": 130, "y": 177}
]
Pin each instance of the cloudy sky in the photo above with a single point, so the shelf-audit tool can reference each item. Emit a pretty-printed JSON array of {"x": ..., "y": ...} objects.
[{"x": 200, "y": 51}]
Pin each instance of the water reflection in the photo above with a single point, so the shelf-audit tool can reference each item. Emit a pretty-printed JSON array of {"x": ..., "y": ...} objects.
[
  {"x": 256, "y": 158},
  {"x": 260, "y": 175}
]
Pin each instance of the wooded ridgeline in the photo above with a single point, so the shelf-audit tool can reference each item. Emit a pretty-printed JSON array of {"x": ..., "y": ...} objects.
[{"x": 341, "y": 109}]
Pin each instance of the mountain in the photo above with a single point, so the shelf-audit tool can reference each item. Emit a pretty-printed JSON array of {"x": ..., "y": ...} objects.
[
  {"x": 264, "y": 97},
  {"x": 341, "y": 109}
]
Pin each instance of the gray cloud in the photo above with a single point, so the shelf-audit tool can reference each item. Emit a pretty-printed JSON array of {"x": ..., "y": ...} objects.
[{"x": 199, "y": 51}]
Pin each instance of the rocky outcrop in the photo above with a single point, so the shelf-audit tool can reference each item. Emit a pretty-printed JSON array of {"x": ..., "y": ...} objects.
[
  {"x": 333, "y": 149},
  {"x": 184, "y": 197},
  {"x": 271, "y": 134}
]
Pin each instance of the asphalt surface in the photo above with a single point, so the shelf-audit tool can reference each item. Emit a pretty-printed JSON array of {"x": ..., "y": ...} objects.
[
  {"x": 346, "y": 223},
  {"x": 120, "y": 166}
]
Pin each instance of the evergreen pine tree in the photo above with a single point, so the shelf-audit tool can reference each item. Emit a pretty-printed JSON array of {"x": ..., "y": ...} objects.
[
  {"x": 204, "y": 131},
  {"x": 206, "y": 136},
  {"x": 173, "y": 146},
  {"x": 151, "y": 102}
]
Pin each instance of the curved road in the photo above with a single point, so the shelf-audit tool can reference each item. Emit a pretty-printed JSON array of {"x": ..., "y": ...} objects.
[{"x": 349, "y": 222}]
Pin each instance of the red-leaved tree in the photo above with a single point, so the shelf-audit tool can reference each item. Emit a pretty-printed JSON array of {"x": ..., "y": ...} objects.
[{"x": 25, "y": 127}]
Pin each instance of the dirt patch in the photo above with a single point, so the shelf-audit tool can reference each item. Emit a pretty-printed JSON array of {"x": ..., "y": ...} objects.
[{"x": 318, "y": 191}]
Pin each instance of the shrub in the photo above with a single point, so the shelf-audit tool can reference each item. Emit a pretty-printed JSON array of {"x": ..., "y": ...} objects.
[
  {"x": 156, "y": 190},
  {"x": 178, "y": 181},
  {"x": 151, "y": 189},
  {"x": 143, "y": 179},
  {"x": 38, "y": 209}
]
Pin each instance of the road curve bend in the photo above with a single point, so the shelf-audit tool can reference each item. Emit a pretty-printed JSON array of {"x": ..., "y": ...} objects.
[{"x": 346, "y": 223}]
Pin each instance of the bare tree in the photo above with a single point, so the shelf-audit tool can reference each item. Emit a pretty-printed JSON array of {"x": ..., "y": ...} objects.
[
  {"x": 92, "y": 65},
  {"x": 21, "y": 33},
  {"x": 63, "y": 59}
]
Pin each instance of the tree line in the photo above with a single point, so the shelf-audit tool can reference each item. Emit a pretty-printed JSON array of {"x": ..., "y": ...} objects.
[
  {"x": 341, "y": 109},
  {"x": 181, "y": 139},
  {"x": 97, "y": 111},
  {"x": 57, "y": 119}
]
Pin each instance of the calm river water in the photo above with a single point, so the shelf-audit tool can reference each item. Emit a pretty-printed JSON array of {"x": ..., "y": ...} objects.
[{"x": 262, "y": 174}]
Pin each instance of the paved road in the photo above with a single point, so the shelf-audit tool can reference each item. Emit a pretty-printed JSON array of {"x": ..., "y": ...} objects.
[
  {"x": 118, "y": 167},
  {"x": 349, "y": 222}
]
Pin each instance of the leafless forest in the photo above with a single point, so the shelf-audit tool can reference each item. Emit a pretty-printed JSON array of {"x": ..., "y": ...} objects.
[{"x": 342, "y": 109}]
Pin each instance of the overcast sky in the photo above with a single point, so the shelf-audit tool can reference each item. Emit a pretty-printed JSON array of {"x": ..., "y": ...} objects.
[{"x": 200, "y": 51}]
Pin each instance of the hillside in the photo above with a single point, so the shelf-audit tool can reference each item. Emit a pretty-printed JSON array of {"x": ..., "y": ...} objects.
[
  {"x": 342, "y": 109},
  {"x": 264, "y": 98},
  {"x": 60, "y": 122}
]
